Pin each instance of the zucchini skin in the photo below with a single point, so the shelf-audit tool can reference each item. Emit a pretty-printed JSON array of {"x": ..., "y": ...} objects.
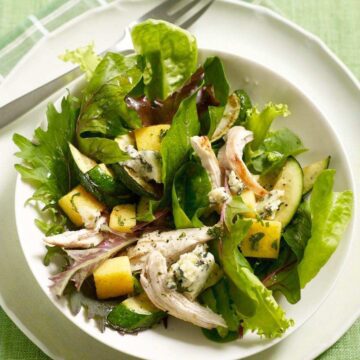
[
  {"x": 105, "y": 182},
  {"x": 312, "y": 171},
  {"x": 126, "y": 319},
  {"x": 136, "y": 185},
  {"x": 291, "y": 181},
  {"x": 110, "y": 200}
]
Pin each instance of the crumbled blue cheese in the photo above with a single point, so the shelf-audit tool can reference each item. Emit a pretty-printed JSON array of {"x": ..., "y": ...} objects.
[
  {"x": 146, "y": 163},
  {"x": 125, "y": 140},
  {"x": 218, "y": 196},
  {"x": 236, "y": 185},
  {"x": 270, "y": 204},
  {"x": 189, "y": 274}
]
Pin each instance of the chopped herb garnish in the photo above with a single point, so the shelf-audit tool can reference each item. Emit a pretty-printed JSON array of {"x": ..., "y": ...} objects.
[
  {"x": 255, "y": 239},
  {"x": 215, "y": 232},
  {"x": 73, "y": 201}
]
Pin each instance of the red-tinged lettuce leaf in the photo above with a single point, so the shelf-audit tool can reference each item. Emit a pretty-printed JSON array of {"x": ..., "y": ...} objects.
[
  {"x": 85, "y": 262},
  {"x": 282, "y": 276},
  {"x": 162, "y": 111},
  {"x": 46, "y": 161},
  {"x": 86, "y": 298}
]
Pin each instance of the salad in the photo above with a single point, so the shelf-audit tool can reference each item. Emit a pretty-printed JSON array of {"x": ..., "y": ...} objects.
[{"x": 164, "y": 192}]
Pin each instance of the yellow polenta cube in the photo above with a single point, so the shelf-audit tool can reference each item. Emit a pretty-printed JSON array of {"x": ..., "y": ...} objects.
[
  {"x": 114, "y": 278},
  {"x": 123, "y": 218},
  {"x": 149, "y": 138},
  {"x": 249, "y": 199},
  {"x": 79, "y": 201},
  {"x": 262, "y": 240}
]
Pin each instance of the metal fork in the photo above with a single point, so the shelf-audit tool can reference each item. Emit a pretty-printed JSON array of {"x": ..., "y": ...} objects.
[{"x": 177, "y": 12}]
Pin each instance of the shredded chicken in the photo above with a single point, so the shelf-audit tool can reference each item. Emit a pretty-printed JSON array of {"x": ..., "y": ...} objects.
[
  {"x": 170, "y": 243},
  {"x": 153, "y": 280},
  {"x": 230, "y": 158},
  {"x": 80, "y": 239},
  {"x": 203, "y": 149}
]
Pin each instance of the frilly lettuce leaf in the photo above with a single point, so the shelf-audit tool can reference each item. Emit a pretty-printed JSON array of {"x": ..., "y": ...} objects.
[
  {"x": 330, "y": 215},
  {"x": 190, "y": 194},
  {"x": 46, "y": 161},
  {"x": 85, "y": 57},
  {"x": 104, "y": 113},
  {"x": 260, "y": 311},
  {"x": 170, "y": 54},
  {"x": 275, "y": 149},
  {"x": 260, "y": 122}
]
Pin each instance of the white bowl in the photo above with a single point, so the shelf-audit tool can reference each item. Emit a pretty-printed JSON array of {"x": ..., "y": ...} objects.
[{"x": 181, "y": 339}]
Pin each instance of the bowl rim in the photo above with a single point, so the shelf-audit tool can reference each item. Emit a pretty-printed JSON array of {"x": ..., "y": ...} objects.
[{"x": 77, "y": 85}]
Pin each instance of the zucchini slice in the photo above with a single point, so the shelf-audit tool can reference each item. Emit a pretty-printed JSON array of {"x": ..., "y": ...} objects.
[
  {"x": 135, "y": 314},
  {"x": 312, "y": 171},
  {"x": 135, "y": 183},
  {"x": 98, "y": 180},
  {"x": 290, "y": 180},
  {"x": 105, "y": 180}
]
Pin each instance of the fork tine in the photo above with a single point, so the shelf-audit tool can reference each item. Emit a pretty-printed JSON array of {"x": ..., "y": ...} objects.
[
  {"x": 185, "y": 9},
  {"x": 185, "y": 23},
  {"x": 158, "y": 12}
]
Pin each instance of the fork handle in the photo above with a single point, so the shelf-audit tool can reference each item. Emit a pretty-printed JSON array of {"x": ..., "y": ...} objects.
[{"x": 24, "y": 103}]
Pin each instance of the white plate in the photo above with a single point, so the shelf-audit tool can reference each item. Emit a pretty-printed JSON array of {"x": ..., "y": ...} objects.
[
  {"x": 283, "y": 38},
  {"x": 180, "y": 339}
]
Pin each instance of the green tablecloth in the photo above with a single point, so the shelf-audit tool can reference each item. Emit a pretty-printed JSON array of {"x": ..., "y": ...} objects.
[{"x": 336, "y": 22}]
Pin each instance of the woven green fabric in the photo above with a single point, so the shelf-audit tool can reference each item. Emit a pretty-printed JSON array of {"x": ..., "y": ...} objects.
[{"x": 336, "y": 22}]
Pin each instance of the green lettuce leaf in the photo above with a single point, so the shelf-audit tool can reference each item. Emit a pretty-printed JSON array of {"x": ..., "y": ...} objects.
[
  {"x": 245, "y": 105},
  {"x": 330, "y": 215},
  {"x": 85, "y": 57},
  {"x": 104, "y": 113},
  {"x": 104, "y": 150},
  {"x": 260, "y": 311},
  {"x": 215, "y": 77},
  {"x": 175, "y": 145},
  {"x": 46, "y": 161},
  {"x": 218, "y": 299},
  {"x": 190, "y": 194},
  {"x": 275, "y": 149},
  {"x": 234, "y": 209},
  {"x": 170, "y": 55},
  {"x": 259, "y": 122},
  {"x": 298, "y": 232}
]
